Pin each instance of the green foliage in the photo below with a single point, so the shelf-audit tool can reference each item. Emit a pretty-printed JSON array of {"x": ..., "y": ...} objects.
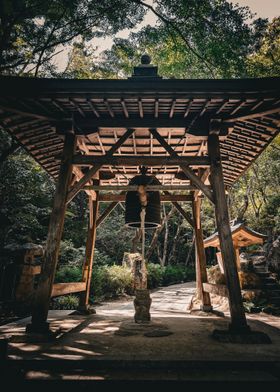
[
  {"x": 25, "y": 199},
  {"x": 171, "y": 274},
  {"x": 71, "y": 255},
  {"x": 113, "y": 239},
  {"x": 193, "y": 39},
  {"x": 155, "y": 275},
  {"x": 265, "y": 61},
  {"x": 255, "y": 195},
  {"x": 32, "y": 30},
  {"x": 177, "y": 274},
  {"x": 67, "y": 274},
  {"x": 65, "y": 302},
  {"x": 110, "y": 282}
]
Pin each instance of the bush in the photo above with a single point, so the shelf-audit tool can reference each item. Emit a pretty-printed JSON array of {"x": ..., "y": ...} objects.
[
  {"x": 113, "y": 281},
  {"x": 177, "y": 274},
  {"x": 66, "y": 302},
  {"x": 171, "y": 274},
  {"x": 69, "y": 254},
  {"x": 68, "y": 273},
  {"x": 110, "y": 282},
  {"x": 155, "y": 275}
]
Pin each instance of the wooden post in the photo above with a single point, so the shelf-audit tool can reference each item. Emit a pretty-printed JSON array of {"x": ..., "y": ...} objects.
[
  {"x": 87, "y": 268},
  {"x": 237, "y": 255},
  {"x": 238, "y": 319},
  {"x": 201, "y": 273},
  {"x": 43, "y": 292}
]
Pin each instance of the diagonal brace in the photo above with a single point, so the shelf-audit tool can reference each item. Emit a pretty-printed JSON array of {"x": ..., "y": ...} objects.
[
  {"x": 184, "y": 213},
  {"x": 91, "y": 172},
  {"x": 186, "y": 169}
]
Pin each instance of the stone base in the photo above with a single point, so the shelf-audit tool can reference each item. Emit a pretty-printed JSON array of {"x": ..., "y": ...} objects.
[
  {"x": 86, "y": 309},
  {"x": 206, "y": 308},
  {"x": 241, "y": 337},
  {"x": 142, "y": 304},
  {"x": 152, "y": 329}
]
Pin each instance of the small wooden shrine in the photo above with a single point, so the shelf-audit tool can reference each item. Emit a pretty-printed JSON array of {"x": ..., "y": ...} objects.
[{"x": 242, "y": 236}]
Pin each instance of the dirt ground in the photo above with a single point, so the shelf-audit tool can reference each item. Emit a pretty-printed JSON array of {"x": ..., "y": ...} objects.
[{"x": 112, "y": 335}]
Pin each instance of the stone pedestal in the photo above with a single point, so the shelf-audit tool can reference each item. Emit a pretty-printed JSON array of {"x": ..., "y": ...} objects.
[{"x": 142, "y": 304}]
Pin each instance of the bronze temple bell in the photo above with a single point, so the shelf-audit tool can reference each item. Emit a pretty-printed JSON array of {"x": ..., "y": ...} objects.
[{"x": 133, "y": 205}]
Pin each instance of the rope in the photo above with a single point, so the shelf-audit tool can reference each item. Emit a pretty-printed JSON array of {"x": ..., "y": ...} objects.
[{"x": 142, "y": 217}]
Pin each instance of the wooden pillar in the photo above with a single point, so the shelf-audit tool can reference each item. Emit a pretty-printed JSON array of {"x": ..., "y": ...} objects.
[
  {"x": 201, "y": 273},
  {"x": 237, "y": 255},
  {"x": 238, "y": 319},
  {"x": 87, "y": 268},
  {"x": 43, "y": 292}
]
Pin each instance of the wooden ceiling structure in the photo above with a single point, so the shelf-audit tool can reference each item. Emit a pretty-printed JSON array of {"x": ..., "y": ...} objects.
[
  {"x": 195, "y": 136},
  {"x": 34, "y": 112}
]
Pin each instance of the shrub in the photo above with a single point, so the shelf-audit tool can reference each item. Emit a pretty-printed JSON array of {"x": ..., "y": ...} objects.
[
  {"x": 177, "y": 274},
  {"x": 155, "y": 275},
  {"x": 110, "y": 282},
  {"x": 66, "y": 302},
  {"x": 69, "y": 254},
  {"x": 158, "y": 276},
  {"x": 68, "y": 273}
]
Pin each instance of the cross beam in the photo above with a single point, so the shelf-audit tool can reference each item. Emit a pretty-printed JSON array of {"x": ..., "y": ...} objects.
[
  {"x": 86, "y": 126},
  {"x": 128, "y": 160},
  {"x": 134, "y": 188},
  {"x": 106, "y": 197},
  {"x": 91, "y": 172},
  {"x": 186, "y": 169}
]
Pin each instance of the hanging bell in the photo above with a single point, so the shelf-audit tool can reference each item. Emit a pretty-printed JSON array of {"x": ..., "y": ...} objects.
[{"x": 133, "y": 205}]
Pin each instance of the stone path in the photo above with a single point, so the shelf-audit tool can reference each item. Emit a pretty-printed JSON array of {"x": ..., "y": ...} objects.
[{"x": 96, "y": 339}]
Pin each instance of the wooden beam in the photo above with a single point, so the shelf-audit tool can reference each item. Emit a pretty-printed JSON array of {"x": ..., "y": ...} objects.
[
  {"x": 201, "y": 273},
  {"x": 78, "y": 175},
  {"x": 204, "y": 177},
  {"x": 186, "y": 169},
  {"x": 43, "y": 292},
  {"x": 134, "y": 188},
  {"x": 67, "y": 288},
  {"x": 87, "y": 267},
  {"x": 217, "y": 289},
  {"x": 105, "y": 197},
  {"x": 106, "y": 213},
  {"x": 184, "y": 213},
  {"x": 137, "y": 160},
  {"x": 91, "y": 172},
  {"x": 238, "y": 319},
  {"x": 88, "y": 126},
  {"x": 254, "y": 114},
  {"x": 41, "y": 116}
]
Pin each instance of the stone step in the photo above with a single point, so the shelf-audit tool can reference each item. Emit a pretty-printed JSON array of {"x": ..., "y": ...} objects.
[
  {"x": 263, "y": 274},
  {"x": 271, "y": 286},
  {"x": 269, "y": 279},
  {"x": 260, "y": 267},
  {"x": 275, "y": 293},
  {"x": 275, "y": 301}
]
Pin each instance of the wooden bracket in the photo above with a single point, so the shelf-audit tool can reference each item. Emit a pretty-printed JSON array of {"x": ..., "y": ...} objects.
[
  {"x": 91, "y": 172},
  {"x": 186, "y": 169}
]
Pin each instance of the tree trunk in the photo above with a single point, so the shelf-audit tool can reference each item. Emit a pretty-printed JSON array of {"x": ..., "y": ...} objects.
[
  {"x": 190, "y": 251},
  {"x": 157, "y": 233},
  {"x": 173, "y": 252}
]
